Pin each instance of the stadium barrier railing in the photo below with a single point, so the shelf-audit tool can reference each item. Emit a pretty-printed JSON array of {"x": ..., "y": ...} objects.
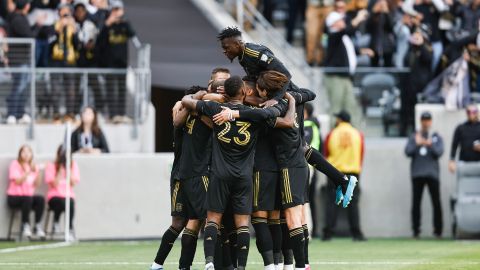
[{"x": 47, "y": 92}]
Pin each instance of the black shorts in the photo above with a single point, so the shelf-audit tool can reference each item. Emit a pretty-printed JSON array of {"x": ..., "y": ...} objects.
[
  {"x": 237, "y": 191},
  {"x": 177, "y": 208},
  {"x": 194, "y": 192},
  {"x": 266, "y": 191},
  {"x": 292, "y": 184}
]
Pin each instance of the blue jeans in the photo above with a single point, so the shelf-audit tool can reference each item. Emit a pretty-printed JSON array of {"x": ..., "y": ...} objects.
[{"x": 18, "y": 96}]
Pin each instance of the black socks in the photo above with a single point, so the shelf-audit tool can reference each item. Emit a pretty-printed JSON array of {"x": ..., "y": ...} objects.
[
  {"x": 263, "y": 239},
  {"x": 166, "y": 245},
  {"x": 286, "y": 248},
  {"x": 210, "y": 239},
  {"x": 243, "y": 245},
  {"x": 189, "y": 246},
  {"x": 306, "y": 235},
  {"x": 276, "y": 232},
  {"x": 297, "y": 242},
  {"x": 317, "y": 160}
]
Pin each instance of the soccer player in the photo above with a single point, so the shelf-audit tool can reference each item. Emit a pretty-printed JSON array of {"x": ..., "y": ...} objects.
[
  {"x": 256, "y": 58},
  {"x": 177, "y": 210},
  {"x": 193, "y": 173},
  {"x": 232, "y": 166},
  {"x": 291, "y": 161}
]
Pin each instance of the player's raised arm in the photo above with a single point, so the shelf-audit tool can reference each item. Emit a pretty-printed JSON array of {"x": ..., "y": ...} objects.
[
  {"x": 303, "y": 95},
  {"x": 288, "y": 121},
  {"x": 190, "y": 101},
  {"x": 179, "y": 114}
]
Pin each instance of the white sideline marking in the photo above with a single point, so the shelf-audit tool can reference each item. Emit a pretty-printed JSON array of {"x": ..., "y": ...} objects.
[
  {"x": 249, "y": 263},
  {"x": 34, "y": 247}
]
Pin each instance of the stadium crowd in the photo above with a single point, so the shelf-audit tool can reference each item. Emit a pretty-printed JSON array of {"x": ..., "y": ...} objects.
[
  {"x": 67, "y": 34},
  {"x": 437, "y": 40}
]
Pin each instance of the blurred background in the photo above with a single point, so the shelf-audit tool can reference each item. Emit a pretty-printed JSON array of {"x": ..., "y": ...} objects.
[{"x": 130, "y": 61}]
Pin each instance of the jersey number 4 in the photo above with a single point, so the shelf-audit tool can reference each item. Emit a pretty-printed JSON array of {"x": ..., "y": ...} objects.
[{"x": 243, "y": 130}]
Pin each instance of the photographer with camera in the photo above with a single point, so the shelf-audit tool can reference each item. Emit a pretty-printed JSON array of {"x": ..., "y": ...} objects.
[{"x": 63, "y": 54}]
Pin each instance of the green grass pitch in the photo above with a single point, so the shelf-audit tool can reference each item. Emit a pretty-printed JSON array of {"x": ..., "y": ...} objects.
[{"x": 339, "y": 254}]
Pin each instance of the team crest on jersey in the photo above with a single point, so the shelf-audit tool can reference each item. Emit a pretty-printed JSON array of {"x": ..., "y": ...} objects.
[{"x": 178, "y": 207}]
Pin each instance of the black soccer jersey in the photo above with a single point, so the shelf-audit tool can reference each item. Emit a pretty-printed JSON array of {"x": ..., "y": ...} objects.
[
  {"x": 196, "y": 148},
  {"x": 265, "y": 156},
  {"x": 177, "y": 151},
  {"x": 233, "y": 146},
  {"x": 289, "y": 146},
  {"x": 257, "y": 58},
  {"x": 301, "y": 97}
]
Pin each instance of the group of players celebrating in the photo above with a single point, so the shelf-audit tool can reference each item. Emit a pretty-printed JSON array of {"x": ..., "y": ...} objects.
[{"x": 241, "y": 157}]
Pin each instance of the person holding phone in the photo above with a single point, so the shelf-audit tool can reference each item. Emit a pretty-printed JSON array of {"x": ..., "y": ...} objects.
[
  {"x": 88, "y": 138},
  {"x": 425, "y": 148}
]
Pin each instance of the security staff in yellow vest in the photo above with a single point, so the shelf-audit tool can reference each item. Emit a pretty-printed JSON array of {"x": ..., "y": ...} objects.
[{"x": 344, "y": 148}]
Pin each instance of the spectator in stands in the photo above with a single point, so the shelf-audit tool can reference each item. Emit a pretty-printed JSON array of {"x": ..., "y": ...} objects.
[
  {"x": 24, "y": 178},
  {"x": 19, "y": 27},
  {"x": 469, "y": 15},
  {"x": 419, "y": 60},
  {"x": 317, "y": 12},
  {"x": 99, "y": 11},
  {"x": 88, "y": 138},
  {"x": 410, "y": 19},
  {"x": 295, "y": 8},
  {"x": 431, "y": 12},
  {"x": 63, "y": 54},
  {"x": 380, "y": 27},
  {"x": 467, "y": 137},
  {"x": 425, "y": 148},
  {"x": 113, "y": 47},
  {"x": 55, "y": 177},
  {"x": 341, "y": 54},
  {"x": 344, "y": 149},
  {"x": 312, "y": 137},
  {"x": 87, "y": 54},
  {"x": 44, "y": 10}
]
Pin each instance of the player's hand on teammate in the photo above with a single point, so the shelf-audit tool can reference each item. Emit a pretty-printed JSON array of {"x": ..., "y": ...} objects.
[
  {"x": 269, "y": 103},
  {"x": 215, "y": 97},
  {"x": 224, "y": 116},
  {"x": 199, "y": 95}
]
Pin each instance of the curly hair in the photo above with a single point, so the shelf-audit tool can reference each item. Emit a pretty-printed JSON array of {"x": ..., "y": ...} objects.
[{"x": 228, "y": 32}]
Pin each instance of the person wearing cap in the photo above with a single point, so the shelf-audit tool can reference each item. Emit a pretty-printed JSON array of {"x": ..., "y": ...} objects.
[
  {"x": 341, "y": 55},
  {"x": 425, "y": 148},
  {"x": 467, "y": 138},
  {"x": 112, "y": 45},
  {"x": 344, "y": 149}
]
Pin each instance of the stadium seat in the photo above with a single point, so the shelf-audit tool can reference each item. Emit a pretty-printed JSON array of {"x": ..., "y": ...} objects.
[
  {"x": 13, "y": 213},
  {"x": 466, "y": 210}
]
